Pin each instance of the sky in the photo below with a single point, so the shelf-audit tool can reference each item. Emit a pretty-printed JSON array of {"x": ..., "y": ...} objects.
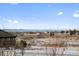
[{"x": 55, "y": 16}]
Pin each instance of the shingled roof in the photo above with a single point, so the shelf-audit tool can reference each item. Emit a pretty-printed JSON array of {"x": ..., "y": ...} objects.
[{"x": 6, "y": 34}]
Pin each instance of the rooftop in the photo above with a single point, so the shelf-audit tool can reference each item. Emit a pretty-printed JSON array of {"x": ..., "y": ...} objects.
[{"x": 6, "y": 34}]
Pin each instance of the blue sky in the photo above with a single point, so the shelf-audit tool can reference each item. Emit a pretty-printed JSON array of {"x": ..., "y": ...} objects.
[{"x": 39, "y": 16}]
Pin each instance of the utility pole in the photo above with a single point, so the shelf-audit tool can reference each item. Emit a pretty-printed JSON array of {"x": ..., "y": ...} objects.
[{"x": 49, "y": 53}]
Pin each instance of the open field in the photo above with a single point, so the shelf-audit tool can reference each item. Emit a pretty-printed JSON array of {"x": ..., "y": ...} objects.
[
  {"x": 43, "y": 51},
  {"x": 43, "y": 44}
]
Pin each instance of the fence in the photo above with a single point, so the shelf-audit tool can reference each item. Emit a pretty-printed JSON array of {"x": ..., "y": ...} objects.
[
  {"x": 7, "y": 53},
  {"x": 40, "y": 51}
]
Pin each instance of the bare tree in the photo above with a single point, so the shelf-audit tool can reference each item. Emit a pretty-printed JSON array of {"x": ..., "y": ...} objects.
[
  {"x": 59, "y": 45},
  {"x": 57, "y": 49},
  {"x": 23, "y": 45}
]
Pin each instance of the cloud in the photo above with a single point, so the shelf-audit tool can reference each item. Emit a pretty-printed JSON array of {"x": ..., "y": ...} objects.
[
  {"x": 13, "y": 21},
  {"x": 14, "y": 3},
  {"x": 60, "y": 13},
  {"x": 76, "y": 14},
  {"x": 10, "y": 21}
]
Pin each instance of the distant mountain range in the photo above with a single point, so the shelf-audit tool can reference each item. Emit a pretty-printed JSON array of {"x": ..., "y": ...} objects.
[{"x": 27, "y": 30}]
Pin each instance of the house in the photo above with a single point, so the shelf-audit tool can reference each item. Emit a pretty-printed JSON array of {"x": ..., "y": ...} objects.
[{"x": 7, "y": 39}]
